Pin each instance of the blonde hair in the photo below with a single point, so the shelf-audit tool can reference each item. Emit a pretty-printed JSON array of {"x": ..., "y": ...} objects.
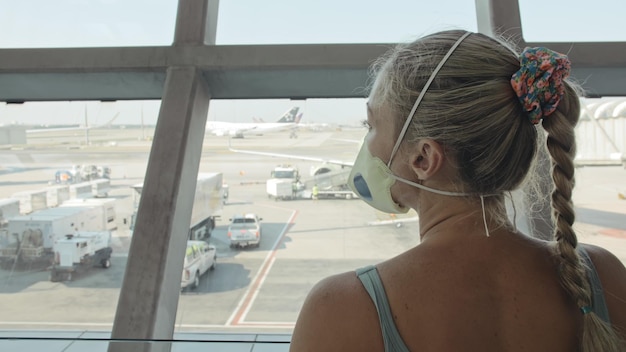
[{"x": 472, "y": 110}]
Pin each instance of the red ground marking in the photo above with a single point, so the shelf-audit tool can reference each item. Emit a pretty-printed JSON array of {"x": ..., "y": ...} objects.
[
  {"x": 263, "y": 272},
  {"x": 613, "y": 233}
]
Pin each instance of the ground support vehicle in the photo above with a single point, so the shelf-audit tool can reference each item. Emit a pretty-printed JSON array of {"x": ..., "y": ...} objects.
[
  {"x": 30, "y": 238},
  {"x": 225, "y": 193},
  {"x": 281, "y": 188},
  {"x": 200, "y": 257},
  {"x": 245, "y": 230},
  {"x": 331, "y": 194},
  {"x": 208, "y": 204},
  {"x": 79, "y": 252},
  {"x": 331, "y": 183},
  {"x": 81, "y": 173},
  {"x": 284, "y": 183}
]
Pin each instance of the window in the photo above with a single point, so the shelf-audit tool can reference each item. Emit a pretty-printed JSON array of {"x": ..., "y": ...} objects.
[
  {"x": 303, "y": 240},
  {"x": 579, "y": 21}
]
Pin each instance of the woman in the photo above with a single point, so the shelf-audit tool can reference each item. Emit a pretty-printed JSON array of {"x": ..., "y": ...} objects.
[{"x": 454, "y": 126}]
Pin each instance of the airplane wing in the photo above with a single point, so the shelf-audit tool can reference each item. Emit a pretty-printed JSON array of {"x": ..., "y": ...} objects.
[
  {"x": 77, "y": 128},
  {"x": 291, "y": 156}
]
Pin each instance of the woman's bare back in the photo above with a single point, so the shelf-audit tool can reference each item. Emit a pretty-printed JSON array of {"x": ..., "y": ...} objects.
[{"x": 500, "y": 294}]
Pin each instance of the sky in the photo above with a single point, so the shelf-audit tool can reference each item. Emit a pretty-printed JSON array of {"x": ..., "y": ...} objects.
[{"x": 89, "y": 23}]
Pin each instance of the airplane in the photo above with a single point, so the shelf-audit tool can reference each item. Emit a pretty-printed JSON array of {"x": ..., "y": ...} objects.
[{"x": 238, "y": 129}]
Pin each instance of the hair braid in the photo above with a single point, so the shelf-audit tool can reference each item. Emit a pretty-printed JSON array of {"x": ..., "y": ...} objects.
[{"x": 597, "y": 336}]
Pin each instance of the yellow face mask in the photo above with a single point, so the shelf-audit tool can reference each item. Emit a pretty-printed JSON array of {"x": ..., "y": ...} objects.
[{"x": 371, "y": 179}]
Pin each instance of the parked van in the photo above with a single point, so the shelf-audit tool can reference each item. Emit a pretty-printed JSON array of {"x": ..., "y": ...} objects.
[{"x": 200, "y": 257}]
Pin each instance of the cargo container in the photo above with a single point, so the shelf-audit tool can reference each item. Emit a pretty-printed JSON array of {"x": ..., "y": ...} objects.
[
  {"x": 81, "y": 190},
  {"x": 31, "y": 201},
  {"x": 100, "y": 188},
  {"x": 104, "y": 205},
  {"x": 56, "y": 195}
]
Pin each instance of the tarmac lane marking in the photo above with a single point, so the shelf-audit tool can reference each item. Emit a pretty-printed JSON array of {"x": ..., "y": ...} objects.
[
  {"x": 616, "y": 233},
  {"x": 246, "y": 302}
]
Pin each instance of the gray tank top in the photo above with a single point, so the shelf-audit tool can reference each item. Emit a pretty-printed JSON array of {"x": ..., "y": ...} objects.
[{"x": 391, "y": 337}]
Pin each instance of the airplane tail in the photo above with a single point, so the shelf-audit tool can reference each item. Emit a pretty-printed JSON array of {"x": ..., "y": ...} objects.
[
  {"x": 298, "y": 118},
  {"x": 289, "y": 116}
]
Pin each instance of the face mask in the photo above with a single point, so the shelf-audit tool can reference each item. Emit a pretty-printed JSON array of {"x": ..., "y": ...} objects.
[
  {"x": 370, "y": 170},
  {"x": 372, "y": 179}
]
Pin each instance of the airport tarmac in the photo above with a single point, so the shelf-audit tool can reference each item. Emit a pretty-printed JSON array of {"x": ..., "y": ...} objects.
[{"x": 251, "y": 290}]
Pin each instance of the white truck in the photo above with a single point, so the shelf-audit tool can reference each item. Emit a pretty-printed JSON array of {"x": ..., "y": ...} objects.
[
  {"x": 80, "y": 251},
  {"x": 284, "y": 183},
  {"x": 208, "y": 204},
  {"x": 31, "y": 237}
]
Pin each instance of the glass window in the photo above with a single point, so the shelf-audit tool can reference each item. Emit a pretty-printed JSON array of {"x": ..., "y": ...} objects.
[
  {"x": 50, "y": 149},
  {"x": 347, "y": 21},
  {"x": 94, "y": 23},
  {"x": 576, "y": 21},
  {"x": 73, "y": 23},
  {"x": 303, "y": 240}
]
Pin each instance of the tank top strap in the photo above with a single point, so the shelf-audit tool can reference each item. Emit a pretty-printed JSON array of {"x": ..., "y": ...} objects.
[
  {"x": 599, "y": 303},
  {"x": 374, "y": 287}
]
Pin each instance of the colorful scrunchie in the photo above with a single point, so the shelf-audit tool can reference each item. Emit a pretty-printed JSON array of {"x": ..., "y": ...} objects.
[{"x": 539, "y": 81}]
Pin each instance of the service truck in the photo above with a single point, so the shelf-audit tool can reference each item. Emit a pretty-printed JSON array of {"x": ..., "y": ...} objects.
[
  {"x": 284, "y": 183},
  {"x": 31, "y": 237},
  {"x": 208, "y": 204},
  {"x": 80, "y": 251}
]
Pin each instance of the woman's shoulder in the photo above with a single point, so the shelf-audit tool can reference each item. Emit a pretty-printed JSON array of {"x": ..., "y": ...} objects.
[
  {"x": 336, "y": 290},
  {"x": 612, "y": 274},
  {"x": 337, "y": 315},
  {"x": 607, "y": 264}
]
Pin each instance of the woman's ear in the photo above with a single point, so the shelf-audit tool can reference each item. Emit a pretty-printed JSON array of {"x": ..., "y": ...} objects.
[{"x": 427, "y": 159}]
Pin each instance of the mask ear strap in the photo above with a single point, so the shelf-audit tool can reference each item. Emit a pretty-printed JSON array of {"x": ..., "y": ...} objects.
[
  {"x": 421, "y": 96},
  {"x": 482, "y": 204}
]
